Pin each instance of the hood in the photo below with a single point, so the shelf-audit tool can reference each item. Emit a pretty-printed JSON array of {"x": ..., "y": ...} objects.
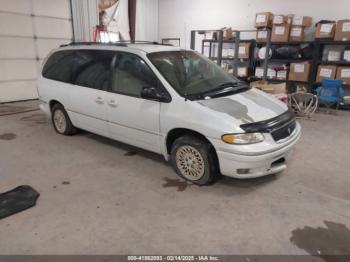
[{"x": 247, "y": 107}]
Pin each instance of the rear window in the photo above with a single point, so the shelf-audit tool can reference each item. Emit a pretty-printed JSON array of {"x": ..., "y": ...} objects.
[{"x": 59, "y": 66}]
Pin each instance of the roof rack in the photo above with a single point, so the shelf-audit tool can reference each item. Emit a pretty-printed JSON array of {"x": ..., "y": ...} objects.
[
  {"x": 92, "y": 43},
  {"x": 119, "y": 43}
]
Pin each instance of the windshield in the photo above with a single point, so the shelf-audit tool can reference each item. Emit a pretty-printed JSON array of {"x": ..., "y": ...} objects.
[{"x": 190, "y": 73}]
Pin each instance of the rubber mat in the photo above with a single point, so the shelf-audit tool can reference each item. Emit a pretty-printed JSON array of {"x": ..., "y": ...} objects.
[{"x": 17, "y": 200}]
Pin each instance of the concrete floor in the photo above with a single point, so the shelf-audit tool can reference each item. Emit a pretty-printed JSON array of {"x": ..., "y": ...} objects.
[{"x": 118, "y": 202}]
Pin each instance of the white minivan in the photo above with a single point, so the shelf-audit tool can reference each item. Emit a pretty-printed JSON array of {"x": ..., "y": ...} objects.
[{"x": 169, "y": 101}]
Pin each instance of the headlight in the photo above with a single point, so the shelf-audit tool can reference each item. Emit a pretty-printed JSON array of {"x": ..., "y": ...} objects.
[{"x": 243, "y": 139}]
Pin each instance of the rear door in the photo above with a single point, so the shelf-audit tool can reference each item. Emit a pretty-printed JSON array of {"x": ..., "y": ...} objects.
[
  {"x": 132, "y": 119},
  {"x": 91, "y": 77}
]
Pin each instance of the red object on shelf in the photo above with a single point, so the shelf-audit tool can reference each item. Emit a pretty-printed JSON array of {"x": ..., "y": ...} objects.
[{"x": 96, "y": 32}]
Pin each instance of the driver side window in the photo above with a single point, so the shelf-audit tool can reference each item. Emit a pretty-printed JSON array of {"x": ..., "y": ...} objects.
[{"x": 131, "y": 74}]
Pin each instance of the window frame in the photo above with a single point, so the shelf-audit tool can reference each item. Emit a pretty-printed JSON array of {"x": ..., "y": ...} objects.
[
  {"x": 159, "y": 86},
  {"x": 73, "y": 76}
]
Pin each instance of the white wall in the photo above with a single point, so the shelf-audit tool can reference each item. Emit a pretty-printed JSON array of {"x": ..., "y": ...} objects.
[
  {"x": 85, "y": 17},
  {"x": 147, "y": 20},
  {"x": 175, "y": 15}
]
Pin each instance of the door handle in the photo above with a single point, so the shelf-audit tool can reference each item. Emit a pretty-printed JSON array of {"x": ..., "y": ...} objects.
[
  {"x": 112, "y": 103},
  {"x": 99, "y": 100}
]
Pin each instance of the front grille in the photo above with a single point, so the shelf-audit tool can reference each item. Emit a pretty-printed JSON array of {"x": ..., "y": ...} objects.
[
  {"x": 279, "y": 127},
  {"x": 284, "y": 131}
]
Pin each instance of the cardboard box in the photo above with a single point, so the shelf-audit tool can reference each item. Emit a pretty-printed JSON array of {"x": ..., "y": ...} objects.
[
  {"x": 280, "y": 19},
  {"x": 304, "y": 21},
  {"x": 325, "y": 30},
  {"x": 261, "y": 36},
  {"x": 334, "y": 55},
  {"x": 282, "y": 74},
  {"x": 244, "y": 50},
  {"x": 280, "y": 33},
  {"x": 280, "y": 88},
  {"x": 228, "y": 33},
  {"x": 259, "y": 72},
  {"x": 290, "y": 19},
  {"x": 271, "y": 73},
  {"x": 270, "y": 88},
  {"x": 343, "y": 73},
  {"x": 346, "y": 55},
  {"x": 263, "y": 20},
  {"x": 297, "y": 33},
  {"x": 342, "y": 32},
  {"x": 242, "y": 71},
  {"x": 325, "y": 72},
  {"x": 299, "y": 71}
]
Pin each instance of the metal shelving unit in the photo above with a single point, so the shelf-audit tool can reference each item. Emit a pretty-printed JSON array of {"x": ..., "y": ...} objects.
[
  {"x": 291, "y": 83},
  {"x": 315, "y": 59},
  {"x": 234, "y": 59},
  {"x": 319, "y": 47},
  {"x": 251, "y": 62}
]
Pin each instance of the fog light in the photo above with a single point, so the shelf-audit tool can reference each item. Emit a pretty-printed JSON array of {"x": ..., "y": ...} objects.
[{"x": 243, "y": 171}]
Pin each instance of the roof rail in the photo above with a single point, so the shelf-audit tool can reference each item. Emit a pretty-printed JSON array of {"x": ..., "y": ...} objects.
[
  {"x": 144, "y": 42},
  {"x": 119, "y": 43},
  {"x": 93, "y": 43}
]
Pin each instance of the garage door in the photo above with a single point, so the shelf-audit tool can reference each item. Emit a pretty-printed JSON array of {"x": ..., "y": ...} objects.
[{"x": 29, "y": 29}]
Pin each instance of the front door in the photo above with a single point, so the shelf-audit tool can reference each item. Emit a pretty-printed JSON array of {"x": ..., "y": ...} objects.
[{"x": 131, "y": 119}]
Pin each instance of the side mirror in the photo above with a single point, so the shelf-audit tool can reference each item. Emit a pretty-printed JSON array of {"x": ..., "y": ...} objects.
[{"x": 151, "y": 93}]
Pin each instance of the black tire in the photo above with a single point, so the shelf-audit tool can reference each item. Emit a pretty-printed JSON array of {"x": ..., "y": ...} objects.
[
  {"x": 207, "y": 153},
  {"x": 69, "y": 128}
]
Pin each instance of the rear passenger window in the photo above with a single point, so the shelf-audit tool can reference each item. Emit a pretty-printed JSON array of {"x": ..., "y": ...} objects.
[
  {"x": 59, "y": 66},
  {"x": 92, "y": 68}
]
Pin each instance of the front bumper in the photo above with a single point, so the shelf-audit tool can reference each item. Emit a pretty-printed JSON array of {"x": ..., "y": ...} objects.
[{"x": 257, "y": 164}]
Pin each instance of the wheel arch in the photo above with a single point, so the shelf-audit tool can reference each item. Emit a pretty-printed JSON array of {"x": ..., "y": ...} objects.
[
  {"x": 179, "y": 132},
  {"x": 54, "y": 102}
]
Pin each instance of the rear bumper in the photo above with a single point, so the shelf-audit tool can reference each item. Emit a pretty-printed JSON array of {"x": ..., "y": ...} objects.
[
  {"x": 257, "y": 165},
  {"x": 45, "y": 108}
]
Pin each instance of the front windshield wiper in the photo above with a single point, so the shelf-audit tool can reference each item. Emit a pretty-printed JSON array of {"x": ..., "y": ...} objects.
[
  {"x": 231, "y": 91},
  {"x": 225, "y": 85},
  {"x": 223, "y": 88}
]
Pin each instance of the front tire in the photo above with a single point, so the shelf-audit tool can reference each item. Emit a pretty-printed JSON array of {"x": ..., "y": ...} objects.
[
  {"x": 61, "y": 121},
  {"x": 194, "y": 160}
]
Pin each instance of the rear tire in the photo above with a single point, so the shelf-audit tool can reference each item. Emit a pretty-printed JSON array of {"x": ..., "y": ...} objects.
[
  {"x": 194, "y": 160},
  {"x": 61, "y": 121}
]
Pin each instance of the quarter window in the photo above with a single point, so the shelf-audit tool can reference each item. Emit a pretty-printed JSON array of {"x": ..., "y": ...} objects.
[
  {"x": 59, "y": 66},
  {"x": 131, "y": 74}
]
